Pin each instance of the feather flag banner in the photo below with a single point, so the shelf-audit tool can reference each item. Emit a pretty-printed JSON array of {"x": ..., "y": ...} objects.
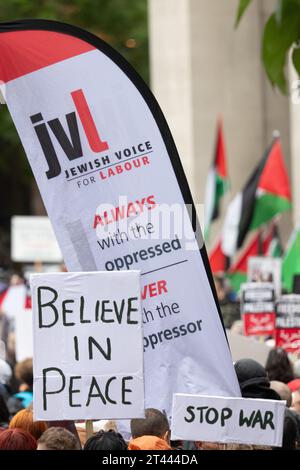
[{"x": 105, "y": 163}]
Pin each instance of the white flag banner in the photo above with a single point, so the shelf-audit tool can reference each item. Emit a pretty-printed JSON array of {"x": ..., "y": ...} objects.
[
  {"x": 88, "y": 349},
  {"x": 116, "y": 194},
  {"x": 229, "y": 420}
]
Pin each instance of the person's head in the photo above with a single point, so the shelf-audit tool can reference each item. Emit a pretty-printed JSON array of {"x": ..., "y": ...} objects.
[
  {"x": 106, "y": 440},
  {"x": 17, "y": 439},
  {"x": 253, "y": 380},
  {"x": 4, "y": 413},
  {"x": 24, "y": 420},
  {"x": 155, "y": 423},
  {"x": 101, "y": 425},
  {"x": 278, "y": 366},
  {"x": 24, "y": 373},
  {"x": 283, "y": 391},
  {"x": 58, "y": 439},
  {"x": 148, "y": 443}
]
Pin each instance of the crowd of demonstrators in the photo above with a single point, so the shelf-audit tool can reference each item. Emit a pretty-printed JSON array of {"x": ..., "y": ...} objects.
[
  {"x": 278, "y": 380},
  {"x": 152, "y": 432},
  {"x": 19, "y": 430}
]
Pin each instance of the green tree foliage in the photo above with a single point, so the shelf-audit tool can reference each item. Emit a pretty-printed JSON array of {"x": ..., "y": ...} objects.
[
  {"x": 281, "y": 35},
  {"x": 121, "y": 23}
]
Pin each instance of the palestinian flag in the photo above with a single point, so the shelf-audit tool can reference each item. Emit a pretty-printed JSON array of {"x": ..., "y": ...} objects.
[
  {"x": 266, "y": 194},
  {"x": 262, "y": 244},
  {"x": 217, "y": 260},
  {"x": 238, "y": 271},
  {"x": 217, "y": 182},
  {"x": 291, "y": 260}
]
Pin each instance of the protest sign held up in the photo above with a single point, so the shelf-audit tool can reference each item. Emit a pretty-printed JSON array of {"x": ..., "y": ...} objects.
[
  {"x": 229, "y": 420},
  {"x": 33, "y": 240},
  {"x": 258, "y": 308},
  {"x": 288, "y": 323},
  {"x": 265, "y": 269},
  {"x": 88, "y": 356}
]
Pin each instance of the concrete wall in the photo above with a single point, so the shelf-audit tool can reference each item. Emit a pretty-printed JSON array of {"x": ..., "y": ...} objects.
[{"x": 201, "y": 67}]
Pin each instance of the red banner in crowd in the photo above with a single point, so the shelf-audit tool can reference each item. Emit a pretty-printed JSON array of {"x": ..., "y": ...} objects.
[
  {"x": 288, "y": 323},
  {"x": 288, "y": 339},
  {"x": 259, "y": 324},
  {"x": 257, "y": 308}
]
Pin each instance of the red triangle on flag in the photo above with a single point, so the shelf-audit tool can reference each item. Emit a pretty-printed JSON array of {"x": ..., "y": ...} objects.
[
  {"x": 217, "y": 259},
  {"x": 252, "y": 249},
  {"x": 220, "y": 155},
  {"x": 274, "y": 178}
]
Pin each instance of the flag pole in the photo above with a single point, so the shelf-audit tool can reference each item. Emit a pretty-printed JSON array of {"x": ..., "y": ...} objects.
[{"x": 89, "y": 428}]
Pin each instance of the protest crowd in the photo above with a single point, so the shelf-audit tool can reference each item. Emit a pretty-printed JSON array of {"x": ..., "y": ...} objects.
[
  {"x": 127, "y": 321},
  {"x": 279, "y": 379}
]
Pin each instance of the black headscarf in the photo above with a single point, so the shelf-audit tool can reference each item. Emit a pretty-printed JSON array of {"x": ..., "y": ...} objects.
[{"x": 253, "y": 380}]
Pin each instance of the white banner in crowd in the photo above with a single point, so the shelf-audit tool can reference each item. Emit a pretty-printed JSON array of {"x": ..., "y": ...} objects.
[
  {"x": 88, "y": 351},
  {"x": 229, "y": 420},
  {"x": 265, "y": 269},
  {"x": 33, "y": 239},
  {"x": 114, "y": 189}
]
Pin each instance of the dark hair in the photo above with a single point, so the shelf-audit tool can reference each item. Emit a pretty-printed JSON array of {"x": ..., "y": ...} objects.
[
  {"x": 17, "y": 439},
  {"x": 278, "y": 366},
  {"x": 4, "y": 413},
  {"x": 106, "y": 440},
  {"x": 59, "y": 439},
  {"x": 155, "y": 423},
  {"x": 24, "y": 372}
]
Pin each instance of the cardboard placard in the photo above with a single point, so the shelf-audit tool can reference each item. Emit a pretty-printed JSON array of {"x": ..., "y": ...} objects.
[
  {"x": 265, "y": 269},
  {"x": 288, "y": 323},
  {"x": 258, "y": 308},
  {"x": 33, "y": 239},
  {"x": 88, "y": 353},
  {"x": 229, "y": 420}
]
